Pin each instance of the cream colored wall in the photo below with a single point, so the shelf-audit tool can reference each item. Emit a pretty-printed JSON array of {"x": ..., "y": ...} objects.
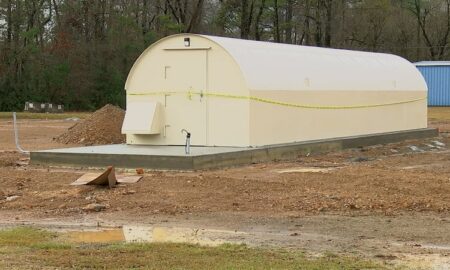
[
  {"x": 226, "y": 121},
  {"x": 272, "y": 124},
  {"x": 240, "y": 122}
]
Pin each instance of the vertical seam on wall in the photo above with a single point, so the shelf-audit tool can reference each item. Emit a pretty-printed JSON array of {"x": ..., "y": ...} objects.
[{"x": 206, "y": 97}]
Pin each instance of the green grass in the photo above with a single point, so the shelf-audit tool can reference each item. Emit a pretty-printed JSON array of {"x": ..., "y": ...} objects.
[
  {"x": 26, "y": 247},
  {"x": 28, "y": 115},
  {"x": 24, "y": 236}
]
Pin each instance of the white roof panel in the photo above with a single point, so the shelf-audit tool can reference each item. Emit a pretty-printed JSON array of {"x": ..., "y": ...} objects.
[{"x": 275, "y": 66}]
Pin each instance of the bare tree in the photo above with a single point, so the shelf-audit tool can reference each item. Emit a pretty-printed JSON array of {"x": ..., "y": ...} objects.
[
  {"x": 247, "y": 8},
  {"x": 276, "y": 22},
  {"x": 262, "y": 6},
  {"x": 425, "y": 13},
  {"x": 289, "y": 20}
]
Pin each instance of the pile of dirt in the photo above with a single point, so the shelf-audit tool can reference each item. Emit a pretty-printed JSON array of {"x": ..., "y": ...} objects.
[{"x": 102, "y": 127}]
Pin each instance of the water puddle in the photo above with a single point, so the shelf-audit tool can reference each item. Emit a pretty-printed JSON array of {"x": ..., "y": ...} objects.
[
  {"x": 425, "y": 262},
  {"x": 308, "y": 170},
  {"x": 142, "y": 234},
  {"x": 439, "y": 247},
  {"x": 106, "y": 236}
]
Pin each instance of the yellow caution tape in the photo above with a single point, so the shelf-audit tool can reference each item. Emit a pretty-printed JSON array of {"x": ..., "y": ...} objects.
[{"x": 189, "y": 95}]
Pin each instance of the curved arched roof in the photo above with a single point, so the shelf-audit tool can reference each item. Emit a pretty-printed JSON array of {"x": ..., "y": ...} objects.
[{"x": 275, "y": 66}]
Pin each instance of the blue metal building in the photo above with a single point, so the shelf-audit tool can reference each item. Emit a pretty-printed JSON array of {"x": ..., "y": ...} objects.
[{"x": 437, "y": 76}]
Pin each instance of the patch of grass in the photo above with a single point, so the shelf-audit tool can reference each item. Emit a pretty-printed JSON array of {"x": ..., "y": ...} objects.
[
  {"x": 183, "y": 256},
  {"x": 439, "y": 113},
  {"x": 24, "y": 236},
  {"x": 35, "y": 248},
  {"x": 27, "y": 115},
  {"x": 51, "y": 246}
]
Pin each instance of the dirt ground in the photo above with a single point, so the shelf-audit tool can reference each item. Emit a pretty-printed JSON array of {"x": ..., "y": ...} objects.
[
  {"x": 388, "y": 202},
  {"x": 103, "y": 126}
]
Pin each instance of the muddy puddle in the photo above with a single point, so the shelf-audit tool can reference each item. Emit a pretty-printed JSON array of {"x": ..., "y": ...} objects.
[
  {"x": 308, "y": 170},
  {"x": 424, "y": 262},
  {"x": 209, "y": 237},
  {"x": 142, "y": 234}
]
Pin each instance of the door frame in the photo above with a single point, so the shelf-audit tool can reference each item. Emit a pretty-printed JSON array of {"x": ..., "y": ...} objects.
[{"x": 206, "y": 85}]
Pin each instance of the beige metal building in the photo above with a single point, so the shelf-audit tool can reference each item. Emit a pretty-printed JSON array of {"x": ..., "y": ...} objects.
[{"x": 232, "y": 92}]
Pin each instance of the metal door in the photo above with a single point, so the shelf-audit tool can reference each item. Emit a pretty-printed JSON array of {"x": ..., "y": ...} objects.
[{"x": 185, "y": 76}]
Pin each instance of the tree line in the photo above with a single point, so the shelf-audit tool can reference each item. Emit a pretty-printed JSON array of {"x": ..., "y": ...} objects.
[{"x": 79, "y": 52}]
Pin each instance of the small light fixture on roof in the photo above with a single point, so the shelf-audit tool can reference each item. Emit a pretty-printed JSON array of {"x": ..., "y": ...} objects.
[{"x": 187, "y": 42}]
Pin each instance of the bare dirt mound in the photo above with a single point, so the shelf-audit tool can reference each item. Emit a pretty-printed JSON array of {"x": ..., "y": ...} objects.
[{"x": 102, "y": 127}]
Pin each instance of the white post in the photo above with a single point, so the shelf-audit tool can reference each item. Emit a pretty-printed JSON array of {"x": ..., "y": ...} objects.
[{"x": 16, "y": 136}]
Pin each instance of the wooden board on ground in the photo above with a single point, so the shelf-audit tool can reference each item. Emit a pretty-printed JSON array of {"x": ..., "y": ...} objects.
[{"x": 106, "y": 178}]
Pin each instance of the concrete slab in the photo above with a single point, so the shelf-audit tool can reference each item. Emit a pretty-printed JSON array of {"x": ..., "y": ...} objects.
[
  {"x": 155, "y": 150},
  {"x": 174, "y": 157}
]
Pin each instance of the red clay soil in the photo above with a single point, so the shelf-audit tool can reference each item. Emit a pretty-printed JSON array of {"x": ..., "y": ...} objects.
[
  {"x": 102, "y": 127},
  {"x": 411, "y": 176},
  {"x": 382, "y": 180}
]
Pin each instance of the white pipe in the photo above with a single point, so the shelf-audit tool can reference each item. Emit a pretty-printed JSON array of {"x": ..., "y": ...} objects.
[{"x": 16, "y": 136}]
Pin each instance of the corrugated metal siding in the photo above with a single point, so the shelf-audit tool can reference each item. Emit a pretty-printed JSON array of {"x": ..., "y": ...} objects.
[{"x": 438, "y": 80}]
